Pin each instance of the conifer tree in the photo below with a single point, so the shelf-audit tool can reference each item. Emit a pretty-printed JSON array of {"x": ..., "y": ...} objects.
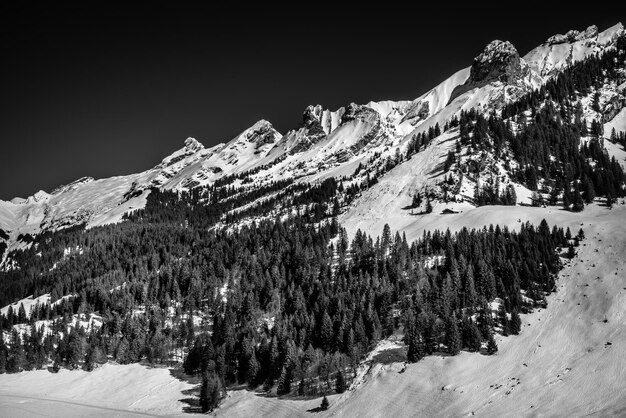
[
  {"x": 492, "y": 347},
  {"x": 16, "y": 357},
  {"x": 210, "y": 392},
  {"x": 473, "y": 339},
  {"x": 516, "y": 323},
  {"x": 325, "y": 404},
  {"x": 340, "y": 382},
  {"x": 504, "y": 320},
  {"x": 452, "y": 336}
]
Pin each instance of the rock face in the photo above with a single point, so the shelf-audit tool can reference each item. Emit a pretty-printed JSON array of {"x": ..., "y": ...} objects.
[
  {"x": 498, "y": 63},
  {"x": 360, "y": 112},
  {"x": 312, "y": 121},
  {"x": 262, "y": 133},
  {"x": 573, "y": 36}
]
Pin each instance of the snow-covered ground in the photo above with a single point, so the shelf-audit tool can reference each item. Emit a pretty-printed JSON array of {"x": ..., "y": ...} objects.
[
  {"x": 111, "y": 390},
  {"x": 560, "y": 365},
  {"x": 566, "y": 362}
]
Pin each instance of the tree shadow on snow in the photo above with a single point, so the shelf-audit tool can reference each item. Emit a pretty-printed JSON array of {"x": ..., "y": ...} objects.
[
  {"x": 315, "y": 410},
  {"x": 192, "y": 395},
  {"x": 179, "y": 374},
  {"x": 192, "y": 400}
]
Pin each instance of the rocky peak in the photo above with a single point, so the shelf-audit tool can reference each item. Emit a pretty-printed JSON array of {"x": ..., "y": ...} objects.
[
  {"x": 73, "y": 185},
  {"x": 193, "y": 145},
  {"x": 312, "y": 120},
  {"x": 355, "y": 111},
  {"x": 312, "y": 114},
  {"x": 498, "y": 63},
  {"x": 499, "y": 60},
  {"x": 261, "y": 133},
  {"x": 573, "y": 36}
]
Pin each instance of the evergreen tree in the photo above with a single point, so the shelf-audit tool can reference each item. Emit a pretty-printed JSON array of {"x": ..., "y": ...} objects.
[
  {"x": 571, "y": 252},
  {"x": 578, "y": 201},
  {"x": 16, "y": 358},
  {"x": 473, "y": 339},
  {"x": 324, "y": 406},
  {"x": 21, "y": 316},
  {"x": 492, "y": 347},
  {"x": 3, "y": 354},
  {"x": 452, "y": 336},
  {"x": 429, "y": 207},
  {"x": 516, "y": 323},
  {"x": 210, "y": 392},
  {"x": 417, "y": 349},
  {"x": 340, "y": 383},
  {"x": 56, "y": 365},
  {"x": 504, "y": 320}
]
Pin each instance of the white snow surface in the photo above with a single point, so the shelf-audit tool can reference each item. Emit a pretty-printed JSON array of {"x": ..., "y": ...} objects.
[
  {"x": 380, "y": 128},
  {"x": 29, "y": 303},
  {"x": 561, "y": 51},
  {"x": 560, "y": 364},
  {"x": 110, "y": 390},
  {"x": 618, "y": 122}
]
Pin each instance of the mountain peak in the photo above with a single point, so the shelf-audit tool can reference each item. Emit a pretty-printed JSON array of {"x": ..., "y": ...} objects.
[
  {"x": 193, "y": 145},
  {"x": 573, "y": 36},
  {"x": 497, "y": 50},
  {"x": 499, "y": 60}
]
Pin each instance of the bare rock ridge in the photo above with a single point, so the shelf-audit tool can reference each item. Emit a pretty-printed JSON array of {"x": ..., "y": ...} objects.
[
  {"x": 573, "y": 35},
  {"x": 500, "y": 61},
  {"x": 326, "y": 143}
]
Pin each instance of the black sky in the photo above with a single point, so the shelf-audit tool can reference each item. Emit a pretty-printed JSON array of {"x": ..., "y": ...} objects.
[{"x": 110, "y": 90}]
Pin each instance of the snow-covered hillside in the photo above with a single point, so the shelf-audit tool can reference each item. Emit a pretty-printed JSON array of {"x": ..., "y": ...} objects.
[
  {"x": 567, "y": 361},
  {"x": 329, "y": 143}
]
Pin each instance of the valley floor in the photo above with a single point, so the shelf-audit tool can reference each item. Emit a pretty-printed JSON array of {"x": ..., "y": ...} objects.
[
  {"x": 112, "y": 390},
  {"x": 568, "y": 360}
]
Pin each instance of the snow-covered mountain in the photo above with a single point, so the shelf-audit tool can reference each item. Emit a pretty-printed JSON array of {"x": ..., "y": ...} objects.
[{"x": 326, "y": 144}]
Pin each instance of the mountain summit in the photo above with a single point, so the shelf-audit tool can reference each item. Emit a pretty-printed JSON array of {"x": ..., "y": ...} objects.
[{"x": 327, "y": 143}]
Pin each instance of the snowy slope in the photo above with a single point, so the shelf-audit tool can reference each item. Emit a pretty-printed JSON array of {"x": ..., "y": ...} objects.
[
  {"x": 111, "y": 390},
  {"x": 560, "y": 364},
  {"x": 329, "y": 143},
  {"x": 560, "y": 51}
]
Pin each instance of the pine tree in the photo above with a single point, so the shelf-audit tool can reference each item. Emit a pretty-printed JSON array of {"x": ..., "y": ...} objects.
[
  {"x": 301, "y": 386},
  {"x": 571, "y": 252},
  {"x": 492, "y": 347},
  {"x": 16, "y": 358},
  {"x": 89, "y": 363},
  {"x": 473, "y": 339},
  {"x": 429, "y": 207},
  {"x": 452, "y": 336},
  {"x": 504, "y": 320},
  {"x": 578, "y": 201},
  {"x": 210, "y": 392},
  {"x": 325, "y": 404},
  {"x": 326, "y": 332},
  {"x": 56, "y": 365},
  {"x": 417, "y": 349},
  {"x": 284, "y": 381},
  {"x": 515, "y": 323},
  {"x": 340, "y": 383},
  {"x": 3, "y": 354}
]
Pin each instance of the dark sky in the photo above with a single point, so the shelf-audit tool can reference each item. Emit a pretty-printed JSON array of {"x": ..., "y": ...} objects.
[{"x": 110, "y": 90}]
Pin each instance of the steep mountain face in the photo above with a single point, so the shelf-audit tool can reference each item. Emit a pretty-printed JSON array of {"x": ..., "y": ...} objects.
[
  {"x": 327, "y": 143},
  {"x": 560, "y": 51},
  {"x": 499, "y": 64},
  {"x": 256, "y": 262}
]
